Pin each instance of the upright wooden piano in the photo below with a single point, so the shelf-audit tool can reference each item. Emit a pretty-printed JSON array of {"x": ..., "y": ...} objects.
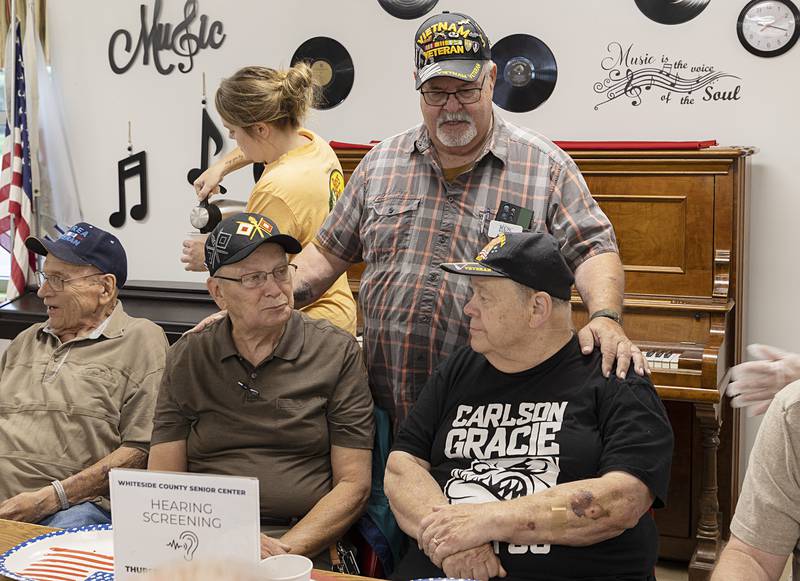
[{"x": 681, "y": 222}]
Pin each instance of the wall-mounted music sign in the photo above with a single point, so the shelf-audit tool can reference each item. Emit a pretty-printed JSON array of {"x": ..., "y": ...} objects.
[
  {"x": 634, "y": 75},
  {"x": 157, "y": 36},
  {"x": 135, "y": 165}
]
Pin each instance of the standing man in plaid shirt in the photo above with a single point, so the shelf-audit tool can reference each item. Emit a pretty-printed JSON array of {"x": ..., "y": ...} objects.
[{"x": 438, "y": 193}]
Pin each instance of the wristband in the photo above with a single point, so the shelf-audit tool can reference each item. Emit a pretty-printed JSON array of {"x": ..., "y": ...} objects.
[
  {"x": 62, "y": 496},
  {"x": 607, "y": 313}
]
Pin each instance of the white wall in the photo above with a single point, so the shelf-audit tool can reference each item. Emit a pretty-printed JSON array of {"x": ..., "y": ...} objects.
[{"x": 165, "y": 110}]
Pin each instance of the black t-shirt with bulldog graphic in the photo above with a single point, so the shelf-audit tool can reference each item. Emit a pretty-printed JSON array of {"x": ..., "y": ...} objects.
[{"x": 493, "y": 436}]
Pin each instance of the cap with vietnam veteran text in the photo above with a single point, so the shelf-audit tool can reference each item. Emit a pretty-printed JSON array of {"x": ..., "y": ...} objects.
[{"x": 450, "y": 45}]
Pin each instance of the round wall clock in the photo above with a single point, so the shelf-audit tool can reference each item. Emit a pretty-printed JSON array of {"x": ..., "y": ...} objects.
[{"x": 768, "y": 27}]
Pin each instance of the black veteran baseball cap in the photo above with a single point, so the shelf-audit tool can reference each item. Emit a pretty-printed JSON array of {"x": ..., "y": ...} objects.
[
  {"x": 532, "y": 259},
  {"x": 86, "y": 244},
  {"x": 450, "y": 45},
  {"x": 236, "y": 237}
]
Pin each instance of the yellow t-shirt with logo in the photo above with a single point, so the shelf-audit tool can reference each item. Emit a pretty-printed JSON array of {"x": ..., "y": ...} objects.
[{"x": 297, "y": 191}]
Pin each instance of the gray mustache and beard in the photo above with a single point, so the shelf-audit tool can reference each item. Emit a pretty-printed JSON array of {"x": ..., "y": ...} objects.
[{"x": 448, "y": 137}]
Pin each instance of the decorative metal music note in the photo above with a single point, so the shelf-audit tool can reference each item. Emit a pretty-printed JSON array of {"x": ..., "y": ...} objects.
[
  {"x": 210, "y": 134},
  {"x": 133, "y": 165}
]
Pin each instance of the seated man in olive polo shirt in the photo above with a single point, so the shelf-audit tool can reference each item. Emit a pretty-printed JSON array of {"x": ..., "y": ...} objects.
[
  {"x": 268, "y": 392},
  {"x": 77, "y": 392}
]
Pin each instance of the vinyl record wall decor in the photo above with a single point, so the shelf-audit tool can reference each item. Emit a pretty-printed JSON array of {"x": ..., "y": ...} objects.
[
  {"x": 408, "y": 9},
  {"x": 331, "y": 66},
  {"x": 671, "y": 11},
  {"x": 526, "y": 72}
]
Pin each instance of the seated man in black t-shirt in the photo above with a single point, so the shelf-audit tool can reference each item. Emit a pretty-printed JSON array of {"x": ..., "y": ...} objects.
[{"x": 522, "y": 417}]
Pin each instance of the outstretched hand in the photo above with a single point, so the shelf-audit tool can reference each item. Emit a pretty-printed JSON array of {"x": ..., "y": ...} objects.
[{"x": 754, "y": 383}]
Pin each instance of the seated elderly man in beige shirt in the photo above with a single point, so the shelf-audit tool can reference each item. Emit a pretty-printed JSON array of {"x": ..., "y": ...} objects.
[{"x": 77, "y": 392}]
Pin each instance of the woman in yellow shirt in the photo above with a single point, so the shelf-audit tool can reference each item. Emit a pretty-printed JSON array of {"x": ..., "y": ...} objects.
[{"x": 263, "y": 110}]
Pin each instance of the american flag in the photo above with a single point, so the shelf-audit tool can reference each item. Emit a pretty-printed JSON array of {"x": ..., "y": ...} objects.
[
  {"x": 16, "y": 186},
  {"x": 61, "y": 564}
]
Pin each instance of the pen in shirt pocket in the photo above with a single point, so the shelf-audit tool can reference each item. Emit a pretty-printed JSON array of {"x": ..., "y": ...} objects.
[{"x": 251, "y": 393}]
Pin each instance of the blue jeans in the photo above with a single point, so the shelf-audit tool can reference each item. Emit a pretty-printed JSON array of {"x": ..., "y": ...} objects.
[{"x": 80, "y": 515}]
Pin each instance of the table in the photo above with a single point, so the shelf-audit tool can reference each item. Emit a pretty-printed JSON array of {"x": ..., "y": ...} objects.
[{"x": 13, "y": 533}]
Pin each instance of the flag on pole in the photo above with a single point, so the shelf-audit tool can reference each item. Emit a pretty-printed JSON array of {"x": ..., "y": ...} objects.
[
  {"x": 16, "y": 187},
  {"x": 55, "y": 189}
]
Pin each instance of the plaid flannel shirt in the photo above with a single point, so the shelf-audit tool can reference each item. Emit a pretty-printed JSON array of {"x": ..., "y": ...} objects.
[{"x": 400, "y": 216}]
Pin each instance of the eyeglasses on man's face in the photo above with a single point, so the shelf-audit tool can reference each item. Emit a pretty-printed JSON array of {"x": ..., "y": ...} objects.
[
  {"x": 282, "y": 273},
  {"x": 57, "y": 282},
  {"x": 463, "y": 96}
]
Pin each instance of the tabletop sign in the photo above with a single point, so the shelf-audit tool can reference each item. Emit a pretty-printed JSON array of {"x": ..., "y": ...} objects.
[{"x": 162, "y": 517}]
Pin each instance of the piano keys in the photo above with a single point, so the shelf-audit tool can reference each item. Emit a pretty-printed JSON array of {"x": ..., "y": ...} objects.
[{"x": 670, "y": 358}]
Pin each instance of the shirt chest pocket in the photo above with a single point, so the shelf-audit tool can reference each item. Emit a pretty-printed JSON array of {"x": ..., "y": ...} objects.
[
  {"x": 303, "y": 418},
  {"x": 389, "y": 224},
  {"x": 78, "y": 389},
  {"x": 100, "y": 395}
]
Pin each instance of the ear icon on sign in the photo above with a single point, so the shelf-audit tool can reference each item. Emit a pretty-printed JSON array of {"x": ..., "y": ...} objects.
[{"x": 190, "y": 542}]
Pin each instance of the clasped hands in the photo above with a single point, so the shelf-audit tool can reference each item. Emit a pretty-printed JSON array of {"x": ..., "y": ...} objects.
[
  {"x": 270, "y": 546},
  {"x": 458, "y": 539}
]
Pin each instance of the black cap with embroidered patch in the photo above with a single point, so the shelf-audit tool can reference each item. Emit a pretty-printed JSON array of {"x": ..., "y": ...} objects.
[
  {"x": 532, "y": 259},
  {"x": 236, "y": 237},
  {"x": 450, "y": 45}
]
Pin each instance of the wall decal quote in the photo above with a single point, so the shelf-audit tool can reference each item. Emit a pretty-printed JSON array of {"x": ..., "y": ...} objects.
[{"x": 631, "y": 75}]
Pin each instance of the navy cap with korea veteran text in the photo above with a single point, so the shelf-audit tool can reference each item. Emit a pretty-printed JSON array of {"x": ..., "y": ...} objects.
[
  {"x": 237, "y": 236},
  {"x": 86, "y": 244},
  {"x": 450, "y": 45},
  {"x": 532, "y": 259}
]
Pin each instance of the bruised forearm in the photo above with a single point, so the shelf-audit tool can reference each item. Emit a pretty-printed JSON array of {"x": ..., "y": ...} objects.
[
  {"x": 600, "y": 281},
  {"x": 93, "y": 481},
  {"x": 575, "y": 513}
]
